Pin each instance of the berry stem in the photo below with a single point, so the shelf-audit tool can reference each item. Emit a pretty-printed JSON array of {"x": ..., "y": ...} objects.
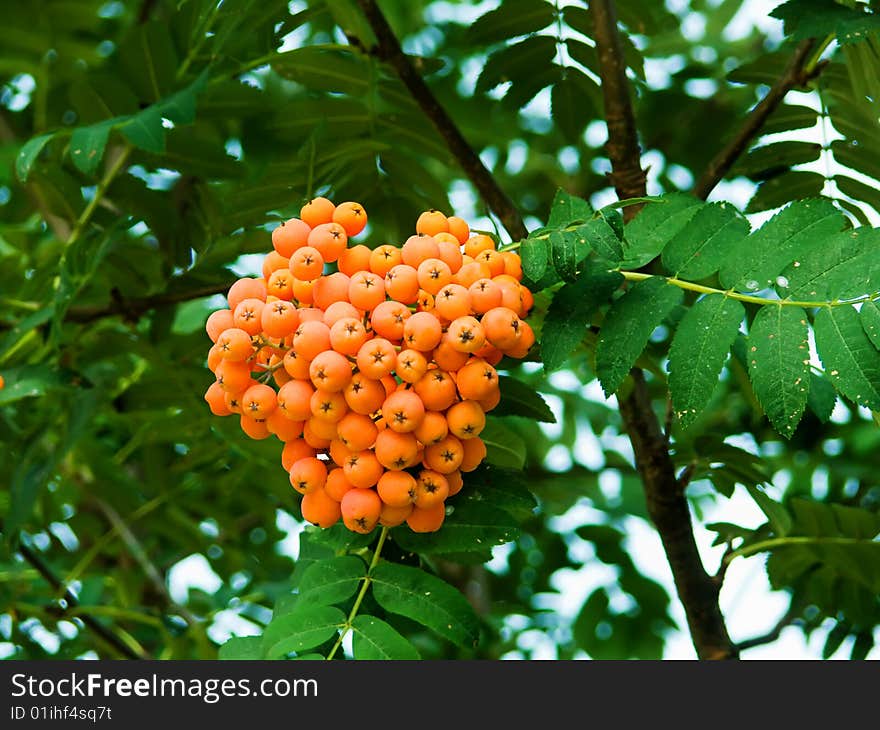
[{"x": 346, "y": 627}]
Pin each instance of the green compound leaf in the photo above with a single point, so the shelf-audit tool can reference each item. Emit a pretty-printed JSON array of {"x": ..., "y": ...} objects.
[
  {"x": 427, "y": 600},
  {"x": 514, "y": 18},
  {"x": 569, "y": 315},
  {"x": 534, "y": 253},
  {"x": 628, "y": 325},
  {"x": 702, "y": 245},
  {"x": 755, "y": 262},
  {"x": 564, "y": 252},
  {"x": 870, "y": 317},
  {"x": 306, "y": 627},
  {"x": 779, "y": 365},
  {"x": 503, "y": 446},
  {"x": 567, "y": 209},
  {"x": 28, "y": 155},
  {"x": 87, "y": 145},
  {"x": 601, "y": 236},
  {"x": 649, "y": 232},
  {"x": 375, "y": 639},
  {"x": 519, "y": 399},
  {"x": 326, "y": 582},
  {"x": 698, "y": 351},
  {"x": 242, "y": 647},
  {"x": 822, "y": 397},
  {"x": 850, "y": 360}
]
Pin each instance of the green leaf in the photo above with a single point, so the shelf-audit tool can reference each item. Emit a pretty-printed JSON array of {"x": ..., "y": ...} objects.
[
  {"x": 700, "y": 247},
  {"x": 816, "y": 18},
  {"x": 28, "y": 154},
  {"x": 572, "y": 103},
  {"x": 846, "y": 265},
  {"x": 570, "y": 313},
  {"x": 858, "y": 190},
  {"x": 564, "y": 252},
  {"x": 326, "y": 582},
  {"x": 870, "y": 318},
  {"x": 145, "y": 130},
  {"x": 534, "y": 254},
  {"x": 779, "y": 364},
  {"x": 503, "y": 446},
  {"x": 149, "y": 60},
  {"x": 306, "y": 627},
  {"x": 789, "y": 117},
  {"x": 756, "y": 261},
  {"x": 87, "y": 145},
  {"x": 326, "y": 67},
  {"x": 27, "y": 382},
  {"x": 519, "y": 62},
  {"x": 567, "y": 209},
  {"x": 698, "y": 351},
  {"x": 822, "y": 397},
  {"x": 375, "y": 639},
  {"x": 242, "y": 647},
  {"x": 850, "y": 360},
  {"x": 519, "y": 399},
  {"x": 778, "y": 517},
  {"x": 781, "y": 189},
  {"x": 770, "y": 159},
  {"x": 513, "y": 18},
  {"x": 649, "y": 232},
  {"x": 427, "y": 600},
  {"x": 628, "y": 326},
  {"x": 602, "y": 237}
]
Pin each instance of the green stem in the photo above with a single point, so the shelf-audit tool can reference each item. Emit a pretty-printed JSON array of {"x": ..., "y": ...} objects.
[
  {"x": 100, "y": 191},
  {"x": 764, "y": 545},
  {"x": 346, "y": 627}
]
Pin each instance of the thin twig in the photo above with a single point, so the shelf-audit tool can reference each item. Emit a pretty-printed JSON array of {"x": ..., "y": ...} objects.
[
  {"x": 389, "y": 50},
  {"x": 790, "y": 617},
  {"x": 796, "y": 74}
]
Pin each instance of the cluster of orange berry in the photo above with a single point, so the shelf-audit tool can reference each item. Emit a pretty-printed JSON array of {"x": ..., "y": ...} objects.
[{"x": 383, "y": 370}]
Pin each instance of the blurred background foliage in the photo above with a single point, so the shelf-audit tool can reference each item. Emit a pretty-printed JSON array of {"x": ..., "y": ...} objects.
[{"x": 148, "y": 148}]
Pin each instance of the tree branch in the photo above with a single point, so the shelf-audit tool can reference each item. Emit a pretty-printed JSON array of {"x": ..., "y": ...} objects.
[
  {"x": 92, "y": 623},
  {"x": 666, "y": 503},
  {"x": 389, "y": 50},
  {"x": 796, "y": 74},
  {"x": 790, "y": 617}
]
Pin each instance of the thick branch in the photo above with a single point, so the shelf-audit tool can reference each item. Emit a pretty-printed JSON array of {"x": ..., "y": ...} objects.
[
  {"x": 667, "y": 505},
  {"x": 389, "y": 50},
  {"x": 92, "y": 623},
  {"x": 796, "y": 75}
]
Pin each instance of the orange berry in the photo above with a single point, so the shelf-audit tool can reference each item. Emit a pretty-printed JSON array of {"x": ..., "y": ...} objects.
[
  {"x": 395, "y": 450},
  {"x": 455, "y": 481},
  {"x": 289, "y": 236},
  {"x": 512, "y": 265},
  {"x": 376, "y": 358},
  {"x": 340, "y": 310},
  {"x": 366, "y": 290},
  {"x": 390, "y": 384},
  {"x": 311, "y": 314},
  {"x": 308, "y": 475},
  {"x": 313, "y": 438},
  {"x": 218, "y": 322},
  {"x": 311, "y": 339},
  {"x": 351, "y": 216},
  {"x": 397, "y": 488},
  {"x": 471, "y": 272},
  {"x": 474, "y": 453},
  {"x": 326, "y": 406},
  {"x": 478, "y": 243},
  {"x": 418, "y": 248},
  {"x": 403, "y": 411},
  {"x": 394, "y": 516},
  {"x": 445, "y": 456},
  {"x": 337, "y": 485},
  {"x": 490, "y": 353},
  {"x": 364, "y": 395},
  {"x": 527, "y": 301},
  {"x": 493, "y": 259},
  {"x": 233, "y": 377},
  {"x": 436, "y": 389},
  {"x": 466, "y": 334},
  {"x": 255, "y": 429},
  {"x": 388, "y": 320},
  {"x": 360, "y": 510},
  {"x": 447, "y": 357},
  {"x": 402, "y": 283},
  {"x": 272, "y": 262},
  {"x": 526, "y": 340},
  {"x": 384, "y": 258},
  {"x": 247, "y": 315},
  {"x": 307, "y": 264},
  {"x": 466, "y": 419},
  {"x": 320, "y": 508},
  {"x": 280, "y": 284},
  {"x": 294, "y": 451},
  {"x": 433, "y": 275},
  {"x": 432, "y": 429},
  {"x": 411, "y": 365},
  {"x": 354, "y": 259},
  {"x": 458, "y": 228},
  {"x": 490, "y": 401},
  {"x": 330, "y": 371},
  {"x": 347, "y": 335},
  {"x": 432, "y": 222},
  {"x": 422, "y": 332},
  {"x": 428, "y": 519},
  {"x": 280, "y": 425},
  {"x": 476, "y": 380},
  {"x": 431, "y": 488},
  {"x": 215, "y": 397},
  {"x": 259, "y": 401},
  {"x": 452, "y": 301},
  {"x": 302, "y": 291},
  {"x": 233, "y": 402},
  {"x": 425, "y": 301},
  {"x": 329, "y": 289},
  {"x": 234, "y": 345},
  {"x": 338, "y": 451},
  {"x": 317, "y": 211},
  {"x": 295, "y": 365},
  {"x": 450, "y": 252},
  {"x": 279, "y": 319},
  {"x": 330, "y": 240},
  {"x": 485, "y": 295},
  {"x": 246, "y": 289},
  {"x": 214, "y": 358},
  {"x": 357, "y": 431},
  {"x": 502, "y": 327},
  {"x": 363, "y": 469}
]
